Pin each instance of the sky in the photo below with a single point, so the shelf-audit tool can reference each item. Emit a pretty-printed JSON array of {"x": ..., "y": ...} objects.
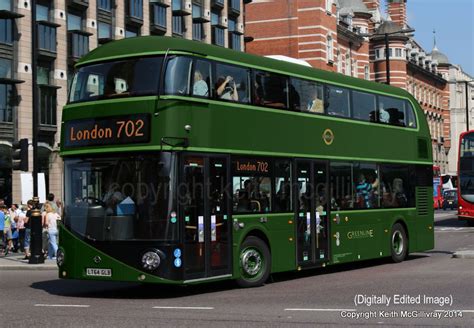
[{"x": 453, "y": 21}]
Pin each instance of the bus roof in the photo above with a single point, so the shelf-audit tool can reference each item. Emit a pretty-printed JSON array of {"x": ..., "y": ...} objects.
[{"x": 149, "y": 45}]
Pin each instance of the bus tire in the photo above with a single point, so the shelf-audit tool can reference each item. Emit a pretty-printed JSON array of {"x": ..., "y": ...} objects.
[
  {"x": 254, "y": 262},
  {"x": 398, "y": 243}
]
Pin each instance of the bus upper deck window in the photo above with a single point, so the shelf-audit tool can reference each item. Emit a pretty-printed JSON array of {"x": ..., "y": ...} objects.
[
  {"x": 364, "y": 106},
  {"x": 391, "y": 111},
  {"x": 306, "y": 96},
  {"x": 337, "y": 101},
  {"x": 178, "y": 71},
  {"x": 231, "y": 83},
  {"x": 270, "y": 89},
  {"x": 410, "y": 115}
]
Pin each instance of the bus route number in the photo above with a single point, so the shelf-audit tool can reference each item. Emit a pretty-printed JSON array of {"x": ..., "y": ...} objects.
[
  {"x": 262, "y": 167},
  {"x": 131, "y": 128}
]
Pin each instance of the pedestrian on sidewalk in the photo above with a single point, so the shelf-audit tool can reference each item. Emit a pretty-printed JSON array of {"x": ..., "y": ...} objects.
[
  {"x": 7, "y": 229},
  {"x": 20, "y": 225},
  {"x": 29, "y": 207},
  {"x": 2, "y": 236},
  {"x": 13, "y": 212},
  {"x": 50, "y": 223}
]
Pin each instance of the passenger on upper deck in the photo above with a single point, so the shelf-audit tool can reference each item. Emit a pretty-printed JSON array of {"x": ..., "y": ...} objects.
[
  {"x": 200, "y": 87},
  {"x": 225, "y": 91}
]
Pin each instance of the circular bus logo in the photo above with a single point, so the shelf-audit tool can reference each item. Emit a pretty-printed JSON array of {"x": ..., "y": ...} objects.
[{"x": 328, "y": 136}]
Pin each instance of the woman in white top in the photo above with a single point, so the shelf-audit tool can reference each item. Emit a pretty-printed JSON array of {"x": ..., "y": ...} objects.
[{"x": 50, "y": 218}]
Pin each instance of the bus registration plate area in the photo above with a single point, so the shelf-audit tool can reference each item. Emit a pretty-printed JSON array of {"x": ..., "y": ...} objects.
[{"x": 94, "y": 272}]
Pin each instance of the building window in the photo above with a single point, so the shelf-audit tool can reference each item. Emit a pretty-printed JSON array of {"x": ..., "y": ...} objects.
[
  {"x": 78, "y": 44},
  {"x": 218, "y": 36},
  {"x": 104, "y": 5},
  {"x": 398, "y": 52},
  {"x": 178, "y": 25},
  {"x": 377, "y": 53},
  {"x": 339, "y": 61},
  {"x": 43, "y": 73},
  {"x": 6, "y": 34},
  {"x": 6, "y": 5},
  {"x": 46, "y": 37},
  {"x": 104, "y": 31},
  {"x": 218, "y": 33},
  {"x": 131, "y": 31},
  {"x": 135, "y": 8},
  {"x": 78, "y": 40},
  {"x": 234, "y": 6},
  {"x": 198, "y": 32},
  {"x": 329, "y": 6},
  {"x": 47, "y": 102},
  {"x": 6, "y": 109},
  {"x": 348, "y": 64},
  {"x": 74, "y": 22},
  {"x": 5, "y": 68},
  {"x": 42, "y": 11},
  {"x": 366, "y": 73},
  {"x": 234, "y": 37},
  {"x": 159, "y": 16},
  {"x": 329, "y": 49}
]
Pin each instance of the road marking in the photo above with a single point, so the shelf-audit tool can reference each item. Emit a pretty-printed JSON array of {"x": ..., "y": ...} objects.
[
  {"x": 185, "y": 307},
  {"x": 63, "y": 305},
  {"x": 454, "y": 229},
  {"x": 321, "y": 310}
]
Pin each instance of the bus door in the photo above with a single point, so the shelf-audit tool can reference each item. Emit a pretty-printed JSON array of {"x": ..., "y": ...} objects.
[
  {"x": 311, "y": 214},
  {"x": 203, "y": 199}
]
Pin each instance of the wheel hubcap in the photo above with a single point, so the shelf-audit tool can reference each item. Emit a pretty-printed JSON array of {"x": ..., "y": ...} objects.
[
  {"x": 397, "y": 242},
  {"x": 252, "y": 262}
]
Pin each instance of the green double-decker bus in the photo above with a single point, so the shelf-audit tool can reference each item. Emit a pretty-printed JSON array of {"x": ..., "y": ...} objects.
[{"x": 186, "y": 162}]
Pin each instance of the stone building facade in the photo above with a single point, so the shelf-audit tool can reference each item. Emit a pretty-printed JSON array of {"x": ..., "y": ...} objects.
[
  {"x": 459, "y": 83},
  {"x": 66, "y": 30}
]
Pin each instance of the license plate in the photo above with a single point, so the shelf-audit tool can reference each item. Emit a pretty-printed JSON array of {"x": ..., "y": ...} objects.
[
  {"x": 450, "y": 203},
  {"x": 93, "y": 272}
]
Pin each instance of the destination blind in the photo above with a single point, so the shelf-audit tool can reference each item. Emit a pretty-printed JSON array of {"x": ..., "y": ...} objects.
[{"x": 105, "y": 131}]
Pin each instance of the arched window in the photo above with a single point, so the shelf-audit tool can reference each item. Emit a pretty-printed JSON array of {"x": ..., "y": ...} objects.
[
  {"x": 348, "y": 65},
  {"x": 329, "y": 49},
  {"x": 329, "y": 6},
  {"x": 339, "y": 61}
]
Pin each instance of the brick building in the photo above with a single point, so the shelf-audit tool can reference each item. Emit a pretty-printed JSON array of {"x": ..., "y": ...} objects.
[
  {"x": 66, "y": 30},
  {"x": 348, "y": 37}
]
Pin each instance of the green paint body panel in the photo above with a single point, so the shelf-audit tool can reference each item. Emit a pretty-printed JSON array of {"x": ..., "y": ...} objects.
[{"x": 218, "y": 127}]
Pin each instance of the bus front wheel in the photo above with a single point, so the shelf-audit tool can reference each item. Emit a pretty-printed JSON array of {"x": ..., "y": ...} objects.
[
  {"x": 254, "y": 262},
  {"x": 399, "y": 243}
]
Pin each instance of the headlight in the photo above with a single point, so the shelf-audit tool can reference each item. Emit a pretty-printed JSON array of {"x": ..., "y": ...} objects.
[
  {"x": 151, "y": 260},
  {"x": 60, "y": 257}
]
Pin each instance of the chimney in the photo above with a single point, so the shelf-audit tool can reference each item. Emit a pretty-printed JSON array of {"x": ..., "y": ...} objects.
[
  {"x": 397, "y": 10},
  {"x": 372, "y": 4}
]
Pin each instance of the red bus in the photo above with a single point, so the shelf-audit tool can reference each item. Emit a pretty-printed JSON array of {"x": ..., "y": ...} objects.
[
  {"x": 466, "y": 177},
  {"x": 437, "y": 187}
]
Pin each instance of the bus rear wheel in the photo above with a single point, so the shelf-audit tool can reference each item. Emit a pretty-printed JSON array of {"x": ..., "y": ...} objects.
[
  {"x": 254, "y": 262},
  {"x": 398, "y": 243}
]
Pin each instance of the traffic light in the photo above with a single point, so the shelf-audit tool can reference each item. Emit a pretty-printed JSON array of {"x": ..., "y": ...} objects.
[{"x": 20, "y": 155}]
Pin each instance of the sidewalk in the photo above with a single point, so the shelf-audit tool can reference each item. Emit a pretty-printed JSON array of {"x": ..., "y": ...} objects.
[{"x": 15, "y": 261}]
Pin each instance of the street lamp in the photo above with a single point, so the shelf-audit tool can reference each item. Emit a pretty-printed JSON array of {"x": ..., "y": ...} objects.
[{"x": 387, "y": 53}]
